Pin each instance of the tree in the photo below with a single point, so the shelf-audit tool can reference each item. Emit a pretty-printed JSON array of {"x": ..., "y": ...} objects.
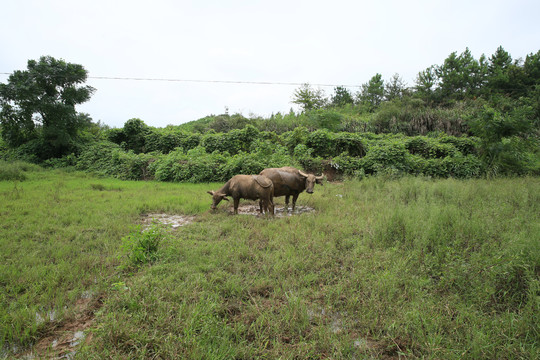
[
  {"x": 498, "y": 79},
  {"x": 308, "y": 98},
  {"x": 341, "y": 96},
  {"x": 372, "y": 92},
  {"x": 461, "y": 76},
  {"x": 394, "y": 88},
  {"x": 39, "y": 104},
  {"x": 134, "y": 132},
  {"x": 426, "y": 84}
]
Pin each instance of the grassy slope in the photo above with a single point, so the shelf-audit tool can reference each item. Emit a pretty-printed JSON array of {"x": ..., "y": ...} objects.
[{"x": 441, "y": 269}]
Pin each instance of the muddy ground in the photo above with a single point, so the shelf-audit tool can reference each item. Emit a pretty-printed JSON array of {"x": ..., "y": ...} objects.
[
  {"x": 61, "y": 339},
  {"x": 175, "y": 221},
  {"x": 253, "y": 209}
]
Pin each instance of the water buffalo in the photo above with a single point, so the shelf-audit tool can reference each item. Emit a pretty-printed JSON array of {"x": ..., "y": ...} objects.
[
  {"x": 291, "y": 181},
  {"x": 250, "y": 187}
]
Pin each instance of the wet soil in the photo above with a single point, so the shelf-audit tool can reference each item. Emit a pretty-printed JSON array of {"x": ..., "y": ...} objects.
[
  {"x": 253, "y": 209},
  {"x": 172, "y": 221},
  {"x": 61, "y": 339}
]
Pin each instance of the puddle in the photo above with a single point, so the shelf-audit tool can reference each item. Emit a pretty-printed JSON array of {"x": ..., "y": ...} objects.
[
  {"x": 77, "y": 338},
  {"x": 335, "y": 319},
  {"x": 50, "y": 316},
  {"x": 279, "y": 211},
  {"x": 170, "y": 220}
]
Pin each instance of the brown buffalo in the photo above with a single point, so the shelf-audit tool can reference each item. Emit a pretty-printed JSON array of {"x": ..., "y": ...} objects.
[
  {"x": 250, "y": 187},
  {"x": 291, "y": 181}
]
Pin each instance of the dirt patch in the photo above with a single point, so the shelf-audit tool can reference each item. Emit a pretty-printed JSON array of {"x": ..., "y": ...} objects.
[
  {"x": 173, "y": 221},
  {"x": 253, "y": 209},
  {"x": 61, "y": 339}
]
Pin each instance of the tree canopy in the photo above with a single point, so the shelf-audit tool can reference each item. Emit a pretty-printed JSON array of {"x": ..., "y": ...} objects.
[{"x": 38, "y": 104}]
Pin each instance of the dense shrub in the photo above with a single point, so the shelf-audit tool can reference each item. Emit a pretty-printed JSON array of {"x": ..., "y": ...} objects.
[
  {"x": 298, "y": 136},
  {"x": 387, "y": 154},
  {"x": 322, "y": 143},
  {"x": 168, "y": 139},
  {"x": 195, "y": 165},
  {"x": 232, "y": 142},
  {"x": 350, "y": 143},
  {"x": 509, "y": 140},
  {"x": 325, "y": 119},
  {"x": 429, "y": 147},
  {"x": 411, "y": 116},
  {"x": 106, "y": 158}
]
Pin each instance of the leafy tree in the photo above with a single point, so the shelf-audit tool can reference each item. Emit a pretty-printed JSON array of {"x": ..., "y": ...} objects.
[
  {"x": 134, "y": 132},
  {"x": 372, "y": 92},
  {"x": 39, "y": 104},
  {"x": 341, "y": 97},
  {"x": 308, "y": 98}
]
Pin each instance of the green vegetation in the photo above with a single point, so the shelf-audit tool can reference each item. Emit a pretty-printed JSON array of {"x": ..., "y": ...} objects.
[
  {"x": 429, "y": 248},
  {"x": 425, "y": 268},
  {"x": 465, "y": 118}
]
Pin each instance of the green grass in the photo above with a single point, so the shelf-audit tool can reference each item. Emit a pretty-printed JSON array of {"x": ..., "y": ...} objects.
[{"x": 423, "y": 268}]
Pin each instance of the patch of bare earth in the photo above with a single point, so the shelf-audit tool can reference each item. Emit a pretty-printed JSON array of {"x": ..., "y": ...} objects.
[
  {"x": 253, "y": 209},
  {"x": 173, "y": 221},
  {"x": 61, "y": 339}
]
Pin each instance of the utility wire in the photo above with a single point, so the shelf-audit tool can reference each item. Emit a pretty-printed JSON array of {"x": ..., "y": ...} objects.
[
  {"x": 236, "y": 82},
  {"x": 209, "y": 81}
]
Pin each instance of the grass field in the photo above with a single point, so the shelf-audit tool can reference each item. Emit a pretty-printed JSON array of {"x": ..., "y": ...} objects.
[{"x": 383, "y": 268}]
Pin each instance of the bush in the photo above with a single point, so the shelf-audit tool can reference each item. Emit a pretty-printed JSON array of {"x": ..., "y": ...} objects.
[
  {"x": 106, "y": 158},
  {"x": 322, "y": 143},
  {"x": 352, "y": 144},
  {"x": 140, "y": 246},
  {"x": 508, "y": 142},
  {"x": 263, "y": 154},
  {"x": 325, "y": 119},
  {"x": 232, "y": 142},
  {"x": 195, "y": 165},
  {"x": 16, "y": 170},
  {"x": 429, "y": 148},
  {"x": 385, "y": 154}
]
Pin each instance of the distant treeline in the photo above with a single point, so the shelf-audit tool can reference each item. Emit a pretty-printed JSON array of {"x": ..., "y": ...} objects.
[{"x": 465, "y": 118}]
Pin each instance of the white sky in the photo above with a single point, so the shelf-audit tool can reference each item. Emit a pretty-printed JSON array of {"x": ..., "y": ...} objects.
[{"x": 326, "y": 42}]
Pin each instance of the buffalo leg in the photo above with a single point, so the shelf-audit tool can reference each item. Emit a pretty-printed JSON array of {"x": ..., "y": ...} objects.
[
  {"x": 236, "y": 202},
  {"x": 294, "y": 197},
  {"x": 287, "y": 203},
  {"x": 269, "y": 207},
  {"x": 272, "y": 208},
  {"x": 261, "y": 206}
]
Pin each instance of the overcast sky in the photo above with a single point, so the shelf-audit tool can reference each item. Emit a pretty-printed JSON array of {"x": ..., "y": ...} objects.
[{"x": 318, "y": 42}]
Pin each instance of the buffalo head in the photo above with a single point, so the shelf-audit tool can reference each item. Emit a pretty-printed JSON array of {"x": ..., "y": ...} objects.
[
  {"x": 311, "y": 180},
  {"x": 216, "y": 198}
]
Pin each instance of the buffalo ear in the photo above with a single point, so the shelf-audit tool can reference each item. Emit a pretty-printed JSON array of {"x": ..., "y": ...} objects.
[
  {"x": 211, "y": 192},
  {"x": 319, "y": 179},
  {"x": 224, "y": 198}
]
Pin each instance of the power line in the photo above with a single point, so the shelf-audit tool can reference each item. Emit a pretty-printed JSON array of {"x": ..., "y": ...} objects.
[{"x": 209, "y": 81}]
